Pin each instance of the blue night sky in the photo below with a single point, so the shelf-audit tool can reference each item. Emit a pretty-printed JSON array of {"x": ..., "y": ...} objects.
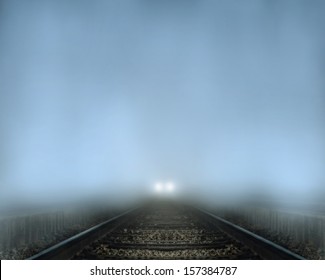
[{"x": 99, "y": 94}]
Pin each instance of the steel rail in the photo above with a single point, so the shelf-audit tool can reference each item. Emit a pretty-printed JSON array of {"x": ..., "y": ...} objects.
[
  {"x": 262, "y": 246},
  {"x": 67, "y": 248},
  {"x": 265, "y": 248}
]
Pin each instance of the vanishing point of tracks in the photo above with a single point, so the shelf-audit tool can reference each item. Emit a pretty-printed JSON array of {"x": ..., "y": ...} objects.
[{"x": 166, "y": 230}]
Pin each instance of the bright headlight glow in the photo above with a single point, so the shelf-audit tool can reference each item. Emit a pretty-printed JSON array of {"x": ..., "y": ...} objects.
[
  {"x": 164, "y": 188},
  {"x": 170, "y": 187},
  {"x": 159, "y": 187}
]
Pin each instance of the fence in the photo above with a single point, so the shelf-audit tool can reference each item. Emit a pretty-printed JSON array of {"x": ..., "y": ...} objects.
[
  {"x": 300, "y": 227},
  {"x": 21, "y": 230}
]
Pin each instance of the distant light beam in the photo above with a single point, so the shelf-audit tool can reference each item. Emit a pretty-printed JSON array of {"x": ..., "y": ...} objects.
[
  {"x": 170, "y": 187},
  {"x": 159, "y": 187}
]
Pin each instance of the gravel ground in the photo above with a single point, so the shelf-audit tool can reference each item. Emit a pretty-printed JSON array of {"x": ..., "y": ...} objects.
[
  {"x": 307, "y": 250},
  {"x": 31, "y": 249},
  {"x": 167, "y": 231}
]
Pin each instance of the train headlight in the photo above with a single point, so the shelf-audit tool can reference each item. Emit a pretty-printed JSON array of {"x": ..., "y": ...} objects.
[
  {"x": 159, "y": 187},
  {"x": 170, "y": 187}
]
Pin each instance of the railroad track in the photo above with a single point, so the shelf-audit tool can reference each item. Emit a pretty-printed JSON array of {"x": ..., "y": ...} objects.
[{"x": 166, "y": 230}]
